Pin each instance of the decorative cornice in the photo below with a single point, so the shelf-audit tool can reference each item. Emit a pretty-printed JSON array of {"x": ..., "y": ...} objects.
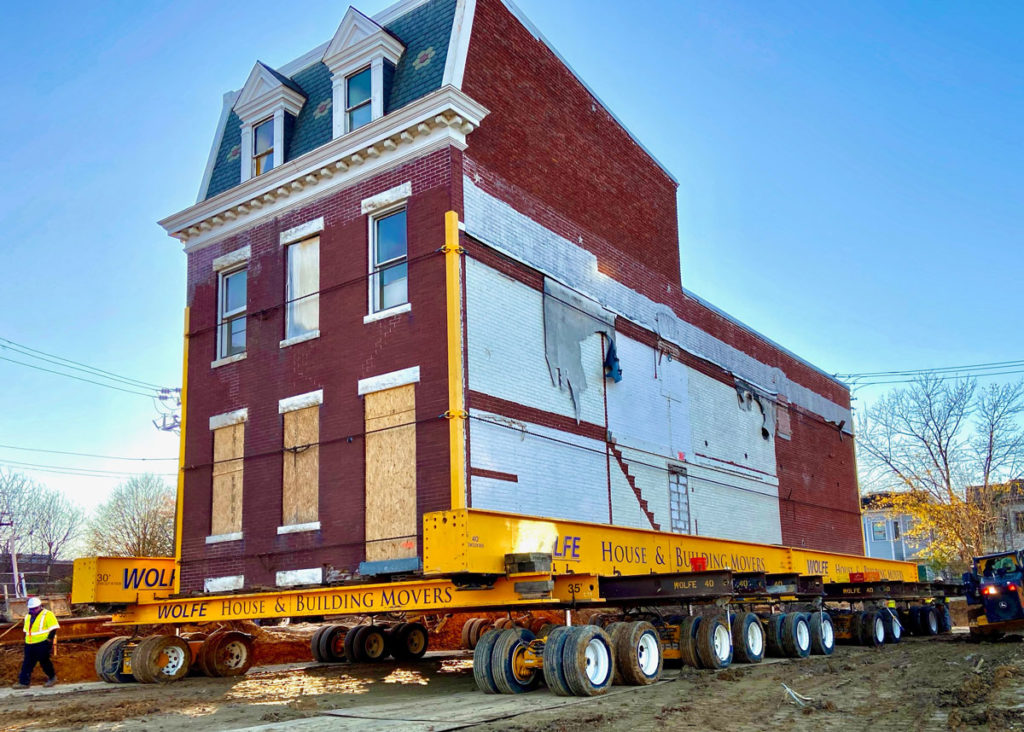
[{"x": 442, "y": 118}]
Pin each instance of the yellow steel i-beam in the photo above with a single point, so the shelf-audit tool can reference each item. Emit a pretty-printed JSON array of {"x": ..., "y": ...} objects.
[
  {"x": 179, "y": 503},
  {"x": 456, "y": 395}
]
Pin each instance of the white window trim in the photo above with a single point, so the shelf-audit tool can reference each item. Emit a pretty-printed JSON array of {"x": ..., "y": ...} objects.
[
  {"x": 221, "y": 538},
  {"x": 224, "y": 584},
  {"x": 310, "y": 336},
  {"x": 298, "y": 528},
  {"x": 227, "y": 359},
  {"x": 371, "y": 238},
  {"x": 302, "y": 231},
  {"x": 389, "y": 313},
  {"x": 301, "y": 401},
  {"x": 389, "y": 380},
  {"x": 229, "y": 418},
  {"x": 374, "y": 100},
  {"x": 292, "y": 577},
  {"x": 232, "y": 259},
  {"x": 223, "y": 316},
  {"x": 254, "y": 107}
]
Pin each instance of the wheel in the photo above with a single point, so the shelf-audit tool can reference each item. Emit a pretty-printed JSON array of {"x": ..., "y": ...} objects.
[
  {"x": 747, "y": 638},
  {"x": 367, "y": 644},
  {"x": 314, "y": 644},
  {"x": 915, "y": 619},
  {"x": 227, "y": 654},
  {"x": 892, "y": 625},
  {"x": 928, "y": 621},
  {"x": 945, "y": 618},
  {"x": 332, "y": 643},
  {"x": 872, "y": 629},
  {"x": 796, "y": 636},
  {"x": 907, "y": 621},
  {"x": 483, "y": 674},
  {"x": 857, "y": 628},
  {"x": 688, "y": 640},
  {"x": 480, "y": 626},
  {"x": 507, "y": 669},
  {"x": 554, "y": 674},
  {"x": 637, "y": 650},
  {"x": 773, "y": 636},
  {"x": 161, "y": 658},
  {"x": 823, "y": 635},
  {"x": 352, "y": 644},
  {"x": 587, "y": 660},
  {"x": 714, "y": 643},
  {"x": 109, "y": 658},
  {"x": 466, "y": 627},
  {"x": 408, "y": 641}
]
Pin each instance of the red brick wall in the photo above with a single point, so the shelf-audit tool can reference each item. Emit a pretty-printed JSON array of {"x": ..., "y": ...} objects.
[
  {"x": 547, "y": 135},
  {"x": 347, "y": 350}
]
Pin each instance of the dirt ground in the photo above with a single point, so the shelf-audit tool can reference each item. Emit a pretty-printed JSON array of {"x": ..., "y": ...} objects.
[{"x": 947, "y": 683}]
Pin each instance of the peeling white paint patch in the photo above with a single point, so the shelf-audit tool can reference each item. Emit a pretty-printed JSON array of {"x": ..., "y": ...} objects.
[
  {"x": 224, "y": 584},
  {"x": 292, "y": 577}
]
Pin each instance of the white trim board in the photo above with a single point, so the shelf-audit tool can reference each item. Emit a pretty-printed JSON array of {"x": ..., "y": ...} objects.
[
  {"x": 301, "y": 401},
  {"x": 389, "y": 380},
  {"x": 229, "y": 418},
  {"x": 458, "y": 43}
]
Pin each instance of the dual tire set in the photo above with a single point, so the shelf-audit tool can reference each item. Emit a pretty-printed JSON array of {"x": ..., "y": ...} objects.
[
  {"x": 369, "y": 643},
  {"x": 582, "y": 660},
  {"x": 707, "y": 642},
  {"x": 878, "y": 626},
  {"x": 167, "y": 658}
]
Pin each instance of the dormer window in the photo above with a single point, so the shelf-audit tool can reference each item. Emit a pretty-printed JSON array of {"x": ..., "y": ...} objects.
[
  {"x": 263, "y": 147},
  {"x": 358, "y": 97},
  {"x": 361, "y": 57}
]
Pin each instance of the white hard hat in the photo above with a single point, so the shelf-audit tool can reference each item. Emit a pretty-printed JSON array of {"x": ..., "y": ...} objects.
[{"x": 34, "y": 602}]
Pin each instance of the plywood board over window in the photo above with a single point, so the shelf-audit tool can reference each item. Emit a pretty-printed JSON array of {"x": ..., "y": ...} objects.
[
  {"x": 301, "y": 480},
  {"x": 226, "y": 511},
  {"x": 391, "y": 473}
]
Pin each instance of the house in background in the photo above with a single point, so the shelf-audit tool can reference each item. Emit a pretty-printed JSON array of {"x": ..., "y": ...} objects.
[
  {"x": 1006, "y": 506},
  {"x": 885, "y": 533},
  {"x": 597, "y": 387}
]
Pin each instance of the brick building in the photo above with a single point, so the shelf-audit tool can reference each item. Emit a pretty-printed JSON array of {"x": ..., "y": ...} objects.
[{"x": 597, "y": 387}]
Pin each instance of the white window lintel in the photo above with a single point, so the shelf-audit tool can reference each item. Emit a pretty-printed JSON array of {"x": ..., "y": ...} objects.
[
  {"x": 302, "y": 231},
  {"x": 231, "y": 259},
  {"x": 298, "y": 528},
  {"x": 301, "y": 401},
  {"x": 291, "y": 577},
  {"x": 224, "y": 584},
  {"x": 386, "y": 199},
  {"x": 389, "y": 380},
  {"x": 229, "y": 418},
  {"x": 219, "y": 538}
]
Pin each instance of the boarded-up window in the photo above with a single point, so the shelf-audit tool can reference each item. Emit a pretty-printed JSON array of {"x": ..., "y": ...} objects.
[
  {"x": 391, "y": 473},
  {"x": 301, "y": 481},
  {"x": 226, "y": 511}
]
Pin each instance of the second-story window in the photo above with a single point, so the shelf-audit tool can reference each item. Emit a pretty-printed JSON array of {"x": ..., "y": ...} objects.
[
  {"x": 389, "y": 280},
  {"x": 303, "y": 288},
  {"x": 231, "y": 314},
  {"x": 358, "y": 92},
  {"x": 263, "y": 147}
]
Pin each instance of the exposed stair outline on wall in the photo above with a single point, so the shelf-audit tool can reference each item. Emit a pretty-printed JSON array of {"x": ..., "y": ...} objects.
[{"x": 632, "y": 481}]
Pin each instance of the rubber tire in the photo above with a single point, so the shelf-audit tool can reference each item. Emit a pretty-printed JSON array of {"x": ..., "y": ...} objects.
[
  {"x": 790, "y": 635},
  {"x": 574, "y": 662},
  {"x": 483, "y": 674},
  {"x": 945, "y": 618},
  {"x": 140, "y": 666},
  {"x": 466, "y": 626},
  {"x": 502, "y": 654},
  {"x": 108, "y": 661},
  {"x": 928, "y": 621},
  {"x": 626, "y": 645},
  {"x": 477, "y": 631},
  {"x": 409, "y": 641},
  {"x": 214, "y": 660},
  {"x": 353, "y": 647},
  {"x": 869, "y": 633},
  {"x": 893, "y": 626},
  {"x": 706, "y": 633},
  {"x": 773, "y": 635},
  {"x": 149, "y": 652},
  {"x": 688, "y": 630},
  {"x": 857, "y": 628},
  {"x": 741, "y": 649},
  {"x": 332, "y": 643},
  {"x": 554, "y": 674},
  {"x": 915, "y": 619},
  {"x": 314, "y": 644},
  {"x": 819, "y": 645}
]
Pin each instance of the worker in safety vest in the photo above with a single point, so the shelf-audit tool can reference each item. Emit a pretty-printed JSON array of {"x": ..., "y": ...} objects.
[{"x": 40, "y": 639}]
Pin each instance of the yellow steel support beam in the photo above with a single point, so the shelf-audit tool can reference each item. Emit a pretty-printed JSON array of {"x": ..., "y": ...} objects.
[
  {"x": 456, "y": 413},
  {"x": 179, "y": 503},
  {"x": 476, "y": 541},
  {"x": 422, "y": 596}
]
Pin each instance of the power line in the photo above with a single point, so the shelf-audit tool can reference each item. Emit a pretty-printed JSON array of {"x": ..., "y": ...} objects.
[
  {"x": 938, "y": 369},
  {"x": 78, "y": 365},
  {"x": 858, "y": 384},
  {"x": 70, "y": 470},
  {"x": 76, "y": 378},
  {"x": 81, "y": 454}
]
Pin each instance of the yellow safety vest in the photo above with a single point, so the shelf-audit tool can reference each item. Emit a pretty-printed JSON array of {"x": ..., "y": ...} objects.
[{"x": 38, "y": 629}]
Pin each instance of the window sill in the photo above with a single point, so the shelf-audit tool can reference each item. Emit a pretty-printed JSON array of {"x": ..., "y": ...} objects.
[
  {"x": 297, "y": 528},
  {"x": 229, "y": 359},
  {"x": 300, "y": 338},
  {"x": 220, "y": 538},
  {"x": 381, "y": 314}
]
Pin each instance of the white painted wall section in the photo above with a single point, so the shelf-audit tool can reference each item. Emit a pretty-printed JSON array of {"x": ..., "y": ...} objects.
[
  {"x": 505, "y": 347},
  {"x": 732, "y": 507},
  {"x": 626, "y": 510}
]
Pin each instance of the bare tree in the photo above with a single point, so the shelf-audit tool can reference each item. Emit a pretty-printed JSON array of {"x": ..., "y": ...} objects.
[
  {"x": 58, "y": 523},
  {"x": 18, "y": 510},
  {"x": 948, "y": 451},
  {"x": 136, "y": 521}
]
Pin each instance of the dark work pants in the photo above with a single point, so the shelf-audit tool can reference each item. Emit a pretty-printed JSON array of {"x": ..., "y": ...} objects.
[{"x": 36, "y": 653}]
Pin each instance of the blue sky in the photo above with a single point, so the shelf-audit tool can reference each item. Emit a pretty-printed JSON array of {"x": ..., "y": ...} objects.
[{"x": 850, "y": 180}]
